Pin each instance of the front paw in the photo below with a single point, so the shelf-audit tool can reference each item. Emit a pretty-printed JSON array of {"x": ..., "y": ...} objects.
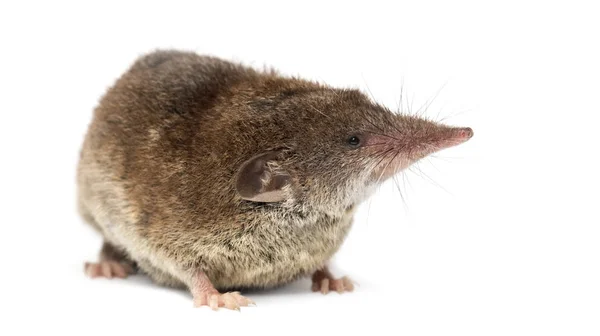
[
  {"x": 107, "y": 269},
  {"x": 229, "y": 300},
  {"x": 327, "y": 284}
]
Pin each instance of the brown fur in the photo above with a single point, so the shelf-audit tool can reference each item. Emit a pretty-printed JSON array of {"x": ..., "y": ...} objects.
[{"x": 159, "y": 165}]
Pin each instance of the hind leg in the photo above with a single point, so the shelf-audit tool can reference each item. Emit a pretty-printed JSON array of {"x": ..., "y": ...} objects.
[{"x": 112, "y": 263}]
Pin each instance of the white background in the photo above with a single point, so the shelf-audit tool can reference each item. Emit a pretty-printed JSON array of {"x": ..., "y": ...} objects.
[{"x": 507, "y": 244}]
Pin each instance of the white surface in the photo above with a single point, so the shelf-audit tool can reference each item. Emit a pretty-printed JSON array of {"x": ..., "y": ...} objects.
[{"x": 511, "y": 249}]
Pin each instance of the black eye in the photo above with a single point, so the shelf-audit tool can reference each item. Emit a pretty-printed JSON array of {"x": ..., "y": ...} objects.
[{"x": 354, "y": 141}]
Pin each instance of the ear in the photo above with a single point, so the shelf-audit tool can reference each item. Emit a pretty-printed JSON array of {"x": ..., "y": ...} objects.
[{"x": 260, "y": 179}]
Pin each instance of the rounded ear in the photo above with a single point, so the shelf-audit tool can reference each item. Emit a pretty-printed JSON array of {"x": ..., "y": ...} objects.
[{"x": 260, "y": 179}]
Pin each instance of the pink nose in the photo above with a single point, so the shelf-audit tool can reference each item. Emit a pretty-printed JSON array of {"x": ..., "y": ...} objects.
[{"x": 464, "y": 133}]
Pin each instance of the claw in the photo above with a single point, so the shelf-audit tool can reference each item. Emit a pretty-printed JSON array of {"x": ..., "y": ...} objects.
[
  {"x": 106, "y": 270},
  {"x": 91, "y": 270},
  {"x": 242, "y": 301},
  {"x": 325, "y": 286},
  {"x": 118, "y": 270},
  {"x": 348, "y": 284},
  {"x": 338, "y": 285},
  {"x": 214, "y": 302},
  {"x": 230, "y": 301}
]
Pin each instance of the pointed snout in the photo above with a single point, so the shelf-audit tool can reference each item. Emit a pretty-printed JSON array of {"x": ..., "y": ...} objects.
[
  {"x": 409, "y": 145},
  {"x": 423, "y": 140},
  {"x": 410, "y": 140},
  {"x": 440, "y": 137},
  {"x": 464, "y": 132},
  {"x": 456, "y": 136}
]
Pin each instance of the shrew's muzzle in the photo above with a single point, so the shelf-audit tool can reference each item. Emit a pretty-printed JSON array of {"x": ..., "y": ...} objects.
[{"x": 399, "y": 149}]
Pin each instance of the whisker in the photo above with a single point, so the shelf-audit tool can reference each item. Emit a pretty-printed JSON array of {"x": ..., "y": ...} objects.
[
  {"x": 431, "y": 163},
  {"x": 437, "y": 116},
  {"x": 366, "y": 118},
  {"x": 430, "y": 179},
  {"x": 446, "y": 158},
  {"x": 386, "y": 166},
  {"x": 430, "y": 101},
  {"x": 400, "y": 192},
  {"x": 382, "y": 156},
  {"x": 385, "y": 135},
  {"x": 401, "y": 102},
  {"x": 368, "y": 89},
  {"x": 405, "y": 180},
  {"x": 455, "y": 114},
  {"x": 396, "y": 128},
  {"x": 374, "y": 145}
]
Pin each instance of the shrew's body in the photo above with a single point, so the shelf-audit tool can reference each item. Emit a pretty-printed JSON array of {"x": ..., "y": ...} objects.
[{"x": 210, "y": 175}]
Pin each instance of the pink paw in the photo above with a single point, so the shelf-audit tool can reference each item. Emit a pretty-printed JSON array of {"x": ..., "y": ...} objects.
[
  {"x": 229, "y": 300},
  {"x": 107, "y": 269},
  {"x": 326, "y": 284}
]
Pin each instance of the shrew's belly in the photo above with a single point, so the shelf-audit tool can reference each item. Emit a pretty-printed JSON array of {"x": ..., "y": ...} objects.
[{"x": 275, "y": 257}]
